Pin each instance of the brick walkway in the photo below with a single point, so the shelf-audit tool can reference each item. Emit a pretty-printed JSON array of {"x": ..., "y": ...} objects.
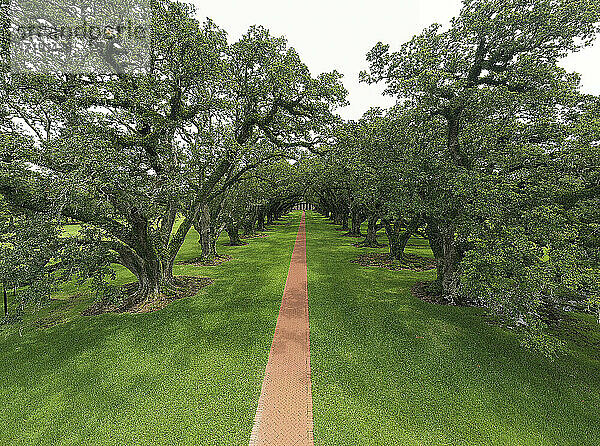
[{"x": 284, "y": 414}]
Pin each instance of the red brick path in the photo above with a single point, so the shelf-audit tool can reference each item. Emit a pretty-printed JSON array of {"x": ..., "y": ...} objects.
[{"x": 284, "y": 414}]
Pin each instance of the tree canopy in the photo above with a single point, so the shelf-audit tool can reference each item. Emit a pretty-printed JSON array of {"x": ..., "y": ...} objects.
[{"x": 491, "y": 153}]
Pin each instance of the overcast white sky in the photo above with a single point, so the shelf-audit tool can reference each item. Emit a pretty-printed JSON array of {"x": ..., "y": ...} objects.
[{"x": 337, "y": 34}]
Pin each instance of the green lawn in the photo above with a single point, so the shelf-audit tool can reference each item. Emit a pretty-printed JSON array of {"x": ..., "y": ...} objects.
[
  {"x": 389, "y": 369},
  {"x": 189, "y": 374}
]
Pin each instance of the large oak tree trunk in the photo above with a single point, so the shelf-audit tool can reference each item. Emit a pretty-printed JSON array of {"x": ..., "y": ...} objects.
[
  {"x": 215, "y": 233},
  {"x": 344, "y": 221},
  {"x": 141, "y": 258},
  {"x": 212, "y": 244},
  {"x": 248, "y": 226},
  {"x": 150, "y": 259},
  {"x": 234, "y": 234},
  {"x": 448, "y": 254},
  {"x": 356, "y": 222},
  {"x": 150, "y": 277},
  {"x": 371, "y": 237},
  {"x": 150, "y": 283},
  {"x": 398, "y": 238},
  {"x": 172, "y": 243},
  {"x": 203, "y": 227},
  {"x": 167, "y": 271},
  {"x": 260, "y": 219}
]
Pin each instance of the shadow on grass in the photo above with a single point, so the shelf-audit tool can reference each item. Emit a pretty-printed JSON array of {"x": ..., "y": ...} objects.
[
  {"x": 391, "y": 369},
  {"x": 186, "y": 374}
]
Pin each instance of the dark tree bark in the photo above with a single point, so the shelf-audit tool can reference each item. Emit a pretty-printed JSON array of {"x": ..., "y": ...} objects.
[
  {"x": 448, "y": 253},
  {"x": 173, "y": 248},
  {"x": 344, "y": 221},
  {"x": 141, "y": 258},
  {"x": 260, "y": 219},
  {"x": 212, "y": 243},
  {"x": 371, "y": 237},
  {"x": 248, "y": 226},
  {"x": 357, "y": 220},
  {"x": 399, "y": 233},
  {"x": 148, "y": 272},
  {"x": 234, "y": 234},
  {"x": 149, "y": 258},
  {"x": 204, "y": 228}
]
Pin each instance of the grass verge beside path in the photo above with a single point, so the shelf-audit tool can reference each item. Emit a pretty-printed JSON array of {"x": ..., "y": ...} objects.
[
  {"x": 389, "y": 369},
  {"x": 188, "y": 374}
]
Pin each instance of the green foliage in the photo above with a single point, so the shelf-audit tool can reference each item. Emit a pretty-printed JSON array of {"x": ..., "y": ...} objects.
[
  {"x": 149, "y": 378},
  {"x": 535, "y": 337},
  {"x": 27, "y": 245},
  {"x": 390, "y": 369},
  {"x": 507, "y": 211},
  {"x": 126, "y": 154}
]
